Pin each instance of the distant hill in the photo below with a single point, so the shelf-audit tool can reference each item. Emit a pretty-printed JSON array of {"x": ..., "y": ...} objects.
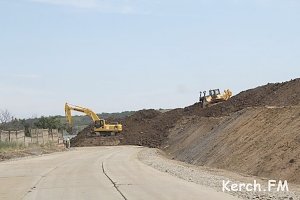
[{"x": 84, "y": 120}]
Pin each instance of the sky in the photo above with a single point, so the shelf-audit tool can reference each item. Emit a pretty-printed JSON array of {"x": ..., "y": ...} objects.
[{"x": 117, "y": 55}]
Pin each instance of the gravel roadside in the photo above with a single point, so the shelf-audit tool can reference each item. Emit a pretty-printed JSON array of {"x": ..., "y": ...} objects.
[{"x": 213, "y": 178}]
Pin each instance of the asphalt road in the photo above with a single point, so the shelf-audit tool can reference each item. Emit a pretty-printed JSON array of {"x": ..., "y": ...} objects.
[{"x": 95, "y": 173}]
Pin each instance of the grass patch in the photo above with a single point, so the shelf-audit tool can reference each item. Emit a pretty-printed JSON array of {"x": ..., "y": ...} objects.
[
  {"x": 49, "y": 145},
  {"x": 7, "y": 146},
  {"x": 9, "y": 150}
]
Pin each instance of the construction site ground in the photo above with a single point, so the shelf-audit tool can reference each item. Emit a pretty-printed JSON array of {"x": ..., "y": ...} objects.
[
  {"x": 256, "y": 132},
  {"x": 120, "y": 172},
  {"x": 95, "y": 173},
  {"x": 213, "y": 178}
]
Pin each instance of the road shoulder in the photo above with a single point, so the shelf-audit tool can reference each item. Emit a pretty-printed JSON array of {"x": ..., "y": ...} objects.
[{"x": 212, "y": 178}]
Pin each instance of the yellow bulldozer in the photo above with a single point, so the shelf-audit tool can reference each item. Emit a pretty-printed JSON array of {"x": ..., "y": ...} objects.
[
  {"x": 214, "y": 96},
  {"x": 100, "y": 126}
]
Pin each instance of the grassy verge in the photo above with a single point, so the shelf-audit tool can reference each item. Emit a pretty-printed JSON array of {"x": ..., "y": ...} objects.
[
  {"x": 9, "y": 150},
  {"x": 10, "y": 146}
]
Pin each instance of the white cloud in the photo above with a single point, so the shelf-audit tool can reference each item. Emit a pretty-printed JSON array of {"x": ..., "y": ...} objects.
[
  {"x": 74, "y": 3},
  {"x": 105, "y": 6},
  {"x": 26, "y": 76},
  {"x": 16, "y": 76},
  {"x": 10, "y": 91}
]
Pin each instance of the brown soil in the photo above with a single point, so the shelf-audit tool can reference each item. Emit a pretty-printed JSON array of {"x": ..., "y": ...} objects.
[
  {"x": 257, "y": 141},
  {"x": 82, "y": 139},
  {"x": 149, "y": 127},
  {"x": 255, "y": 132},
  {"x": 144, "y": 128},
  {"x": 272, "y": 94}
]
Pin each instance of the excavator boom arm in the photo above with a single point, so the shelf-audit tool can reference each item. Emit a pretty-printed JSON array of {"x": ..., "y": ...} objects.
[
  {"x": 69, "y": 108},
  {"x": 99, "y": 124}
]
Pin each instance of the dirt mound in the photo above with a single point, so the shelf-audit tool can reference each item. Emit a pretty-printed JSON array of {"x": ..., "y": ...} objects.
[
  {"x": 81, "y": 136},
  {"x": 255, "y": 132},
  {"x": 149, "y": 127},
  {"x": 257, "y": 141},
  {"x": 83, "y": 140},
  {"x": 145, "y": 115},
  {"x": 272, "y": 94},
  {"x": 145, "y": 128}
]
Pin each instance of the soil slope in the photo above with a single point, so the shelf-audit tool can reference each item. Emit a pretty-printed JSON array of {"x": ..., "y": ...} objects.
[
  {"x": 257, "y": 141},
  {"x": 272, "y": 94},
  {"x": 256, "y": 132}
]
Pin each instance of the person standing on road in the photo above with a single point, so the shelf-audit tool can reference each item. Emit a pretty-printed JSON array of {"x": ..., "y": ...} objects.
[{"x": 68, "y": 143}]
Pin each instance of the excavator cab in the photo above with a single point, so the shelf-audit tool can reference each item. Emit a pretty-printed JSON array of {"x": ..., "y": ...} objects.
[{"x": 99, "y": 123}]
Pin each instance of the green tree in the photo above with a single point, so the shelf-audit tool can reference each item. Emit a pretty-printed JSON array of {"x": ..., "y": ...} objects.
[{"x": 49, "y": 123}]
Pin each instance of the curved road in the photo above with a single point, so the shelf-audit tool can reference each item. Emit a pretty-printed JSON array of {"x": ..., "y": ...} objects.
[{"x": 106, "y": 173}]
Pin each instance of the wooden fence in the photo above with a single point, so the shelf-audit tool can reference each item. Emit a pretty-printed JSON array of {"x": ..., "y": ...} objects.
[{"x": 37, "y": 136}]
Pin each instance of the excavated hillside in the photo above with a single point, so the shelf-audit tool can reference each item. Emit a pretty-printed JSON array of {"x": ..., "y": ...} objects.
[
  {"x": 145, "y": 128},
  {"x": 149, "y": 127},
  {"x": 272, "y": 94},
  {"x": 255, "y": 132},
  {"x": 263, "y": 141},
  {"x": 83, "y": 139}
]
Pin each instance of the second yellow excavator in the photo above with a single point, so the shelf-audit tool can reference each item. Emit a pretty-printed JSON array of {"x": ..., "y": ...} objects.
[
  {"x": 100, "y": 125},
  {"x": 214, "y": 96}
]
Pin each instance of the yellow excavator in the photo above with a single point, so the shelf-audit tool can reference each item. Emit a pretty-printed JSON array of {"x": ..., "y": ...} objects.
[
  {"x": 214, "y": 96},
  {"x": 100, "y": 126}
]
